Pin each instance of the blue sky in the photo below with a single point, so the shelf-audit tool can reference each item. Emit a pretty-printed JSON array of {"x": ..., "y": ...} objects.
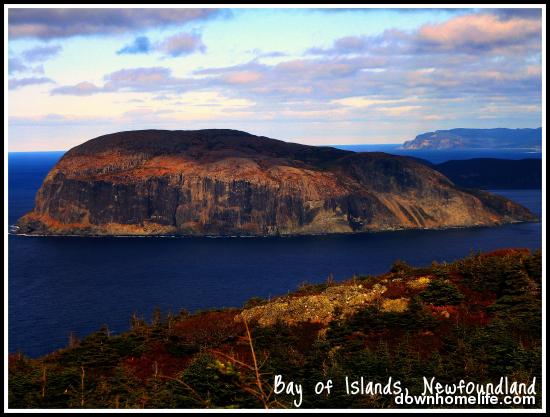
[{"x": 304, "y": 75}]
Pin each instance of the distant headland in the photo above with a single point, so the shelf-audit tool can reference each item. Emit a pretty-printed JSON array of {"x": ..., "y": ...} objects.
[{"x": 460, "y": 138}]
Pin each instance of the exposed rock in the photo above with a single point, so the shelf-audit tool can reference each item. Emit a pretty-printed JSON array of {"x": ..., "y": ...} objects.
[
  {"x": 335, "y": 302},
  {"x": 419, "y": 283},
  {"x": 226, "y": 182},
  {"x": 397, "y": 305}
]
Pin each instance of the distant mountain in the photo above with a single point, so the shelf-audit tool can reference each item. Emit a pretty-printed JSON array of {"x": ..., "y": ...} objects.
[
  {"x": 477, "y": 139},
  {"x": 491, "y": 173}
]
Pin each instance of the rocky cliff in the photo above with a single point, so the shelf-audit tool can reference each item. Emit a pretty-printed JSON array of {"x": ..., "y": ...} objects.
[{"x": 226, "y": 182}]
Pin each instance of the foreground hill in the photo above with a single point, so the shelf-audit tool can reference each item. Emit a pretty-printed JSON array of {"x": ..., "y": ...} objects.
[
  {"x": 477, "y": 319},
  {"x": 226, "y": 182},
  {"x": 477, "y": 139}
]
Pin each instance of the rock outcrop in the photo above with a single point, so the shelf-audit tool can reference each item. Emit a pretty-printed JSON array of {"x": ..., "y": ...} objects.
[{"x": 227, "y": 182}]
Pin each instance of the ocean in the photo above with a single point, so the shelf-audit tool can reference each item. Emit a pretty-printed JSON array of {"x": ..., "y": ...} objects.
[{"x": 59, "y": 285}]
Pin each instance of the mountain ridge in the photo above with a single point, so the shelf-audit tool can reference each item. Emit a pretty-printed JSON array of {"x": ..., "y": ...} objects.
[{"x": 463, "y": 138}]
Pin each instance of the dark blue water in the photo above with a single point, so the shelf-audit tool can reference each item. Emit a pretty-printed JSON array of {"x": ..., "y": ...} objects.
[
  {"x": 438, "y": 157},
  {"x": 63, "y": 284}
]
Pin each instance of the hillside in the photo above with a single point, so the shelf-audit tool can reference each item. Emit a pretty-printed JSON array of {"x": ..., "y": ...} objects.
[{"x": 477, "y": 319}]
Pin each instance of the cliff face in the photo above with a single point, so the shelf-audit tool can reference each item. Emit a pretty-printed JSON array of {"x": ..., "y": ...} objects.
[{"x": 226, "y": 182}]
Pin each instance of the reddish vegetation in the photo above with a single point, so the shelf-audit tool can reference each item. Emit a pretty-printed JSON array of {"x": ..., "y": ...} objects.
[
  {"x": 471, "y": 315},
  {"x": 400, "y": 289},
  {"x": 444, "y": 312},
  {"x": 208, "y": 328},
  {"x": 506, "y": 252},
  {"x": 156, "y": 362},
  {"x": 396, "y": 289},
  {"x": 476, "y": 298}
]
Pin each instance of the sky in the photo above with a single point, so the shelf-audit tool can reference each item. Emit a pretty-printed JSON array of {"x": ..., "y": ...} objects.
[{"x": 315, "y": 76}]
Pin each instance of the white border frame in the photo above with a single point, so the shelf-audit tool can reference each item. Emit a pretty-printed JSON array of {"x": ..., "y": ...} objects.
[{"x": 279, "y": 6}]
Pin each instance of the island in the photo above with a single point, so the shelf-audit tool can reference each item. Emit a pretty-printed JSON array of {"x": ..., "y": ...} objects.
[
  {"x": 230, "y": 183},
  {"x": 461, "y": 138}
]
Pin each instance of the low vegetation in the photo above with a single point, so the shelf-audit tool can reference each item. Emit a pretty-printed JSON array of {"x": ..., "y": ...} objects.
[{"x": 477, "y": 319}]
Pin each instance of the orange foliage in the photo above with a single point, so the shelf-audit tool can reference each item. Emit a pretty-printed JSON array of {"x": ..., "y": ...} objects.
[
  {"x": 470, "y": 315},
  {"x": 506, "y": 252},
  {"x": 444, "y": 312},
  {"x": 482, "y": 299},
  {"x": 207, "y": 328},
  {"x": 156, "y": 362},
  {"x": 396, "y": 289}
]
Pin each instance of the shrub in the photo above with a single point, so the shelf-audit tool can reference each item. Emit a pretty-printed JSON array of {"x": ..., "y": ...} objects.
[
  {"x": 254, "y": 302},
  {"x": 440, "y": 293},
  {"x": 401, "y": 268}
]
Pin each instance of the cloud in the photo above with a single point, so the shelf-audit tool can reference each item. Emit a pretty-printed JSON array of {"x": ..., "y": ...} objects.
[
  {"x": 37, "y": 54},
  {"x": 479, "y": 32},
  {"x": 532, "y": 13},
  {"x": 140, "y": 45},
  {"x": 359, "y": 101},
  {"x": 16, "y": 65},
  {"x": 322, "y": 79},
  {"x": 387, "y": 87},
  {"x": 41, "y": 53},
  {"x": 398, "y": 110},
  {"x": 429, "y": 74},
  {"x": 258, "y": 53},
  {"x": 58, "y": 120},
  {"x": 331, "y": 9},
  {"x": 391, "y": 41},
  {"x": 63, "y": 23},
  {"x": 242, "y": 77},
  {"x": 473, "y": 34},
  {"x": 142, "y": 79},
  {"x": 81, "y": 89},
  {"x": 182, "y": 44},
  {"x": 177, "y": 45},
  {"x": 15, "y": 83},
  {"x": 433, "y": 117},
  {"x": 152, "y": 79},
  {"x": 349, "y": 44}
]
